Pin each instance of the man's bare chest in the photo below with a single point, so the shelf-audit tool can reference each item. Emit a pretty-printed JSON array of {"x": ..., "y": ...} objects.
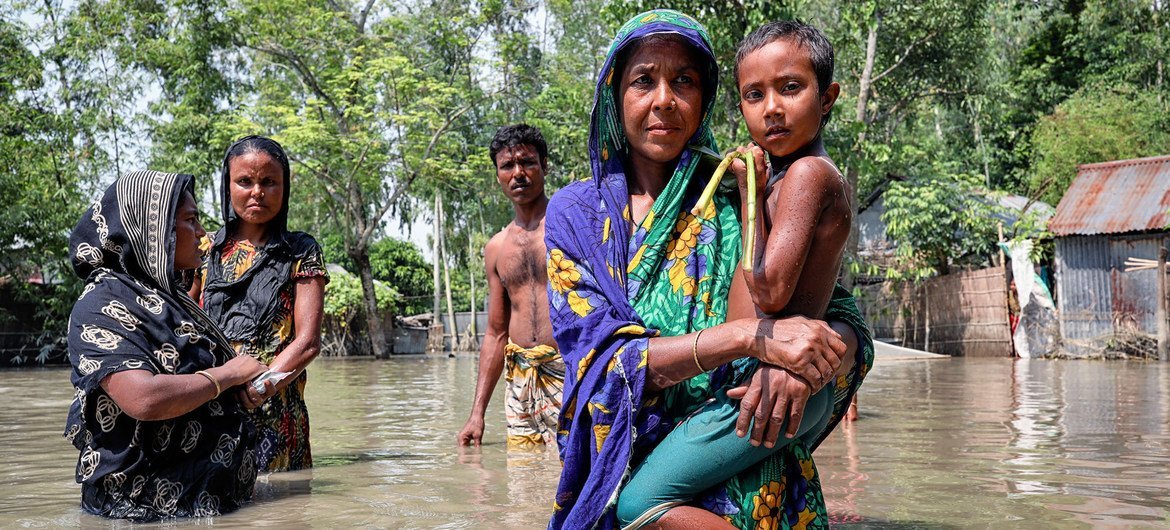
[{"x": 522, "y": 262}]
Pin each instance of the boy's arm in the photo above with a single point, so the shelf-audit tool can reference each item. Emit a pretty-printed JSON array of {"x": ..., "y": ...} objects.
[
  {"x": 795, "y": 209},
  {"x": 491, "y": 352}
]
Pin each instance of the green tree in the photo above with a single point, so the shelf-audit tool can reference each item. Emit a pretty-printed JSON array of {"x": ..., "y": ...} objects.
[
  {"x": 394, "y": 262},
  {"x": 42, "y": 180},
  {"x": 939, "y": 221},
  {"x": 1097, "y": 124},
  {"x": 365, "y": 101}
]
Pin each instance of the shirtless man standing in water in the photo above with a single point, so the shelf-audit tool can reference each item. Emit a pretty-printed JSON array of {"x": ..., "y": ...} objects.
[{"x": 519, "y": 337}]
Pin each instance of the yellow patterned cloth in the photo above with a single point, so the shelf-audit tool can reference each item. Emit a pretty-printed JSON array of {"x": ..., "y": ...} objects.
[{"x": 535, "y": 377}]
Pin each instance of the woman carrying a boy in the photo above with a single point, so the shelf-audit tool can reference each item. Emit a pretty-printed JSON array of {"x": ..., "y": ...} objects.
[{"x": 657, "y": 327}]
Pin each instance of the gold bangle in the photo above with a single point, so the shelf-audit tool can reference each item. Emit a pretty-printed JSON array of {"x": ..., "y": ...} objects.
[
  {"x": 213, "y": 380},
  {"x": 695, "y": 350}
]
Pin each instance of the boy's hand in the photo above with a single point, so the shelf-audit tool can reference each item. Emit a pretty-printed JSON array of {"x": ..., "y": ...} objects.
[
  {"x": 740, "y": 169},
  {"x": 774, "y": 398}
]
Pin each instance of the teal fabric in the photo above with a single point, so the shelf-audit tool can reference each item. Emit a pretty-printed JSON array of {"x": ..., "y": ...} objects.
[{"x": 704, "y": 451}]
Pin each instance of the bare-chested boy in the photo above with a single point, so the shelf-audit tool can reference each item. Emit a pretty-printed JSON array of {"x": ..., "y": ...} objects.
[
  {"x": 519, "y": 337},
  {"x": 784, "y": 73}
]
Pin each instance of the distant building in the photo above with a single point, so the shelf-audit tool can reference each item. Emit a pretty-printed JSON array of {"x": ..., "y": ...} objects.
[{"x": 1111, "y": 212}]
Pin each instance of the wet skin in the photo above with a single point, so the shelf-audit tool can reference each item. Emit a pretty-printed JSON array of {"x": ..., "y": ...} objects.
[{"x": 806, "y": 215}]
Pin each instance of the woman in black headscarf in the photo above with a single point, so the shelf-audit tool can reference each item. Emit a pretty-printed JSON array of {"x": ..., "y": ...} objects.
[
  {"x": 264, "y": 286},
  {"x": 158, "y": 433}
]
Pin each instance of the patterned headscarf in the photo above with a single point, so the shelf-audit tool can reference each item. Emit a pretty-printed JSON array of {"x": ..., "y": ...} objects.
[
  {"x": 131, "y": 228},
  {"x": 133, "y": 314},
  {"x": 607, "y": 138},
  {"x": 131, "y": 231}
]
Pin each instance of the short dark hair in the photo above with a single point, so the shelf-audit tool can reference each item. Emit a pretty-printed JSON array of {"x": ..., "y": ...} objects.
[
  {"x": 820, "y": 51},
  {"x": 517, "y": 135}
]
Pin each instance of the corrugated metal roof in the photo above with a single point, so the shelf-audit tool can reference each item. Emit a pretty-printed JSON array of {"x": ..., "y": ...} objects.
[{"x": 1116, "y": 197}]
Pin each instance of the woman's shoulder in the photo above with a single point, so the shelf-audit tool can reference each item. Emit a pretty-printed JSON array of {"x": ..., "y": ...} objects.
[
  {"x": 104, "y": 286},
  {"x": 575, "y": 192},
  {"x": 573, "y": 207},
  {"x": 302, "y": 244}
]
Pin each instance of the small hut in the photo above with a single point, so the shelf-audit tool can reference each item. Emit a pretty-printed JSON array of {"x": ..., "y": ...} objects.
[{"x": 1112, "y": 212}]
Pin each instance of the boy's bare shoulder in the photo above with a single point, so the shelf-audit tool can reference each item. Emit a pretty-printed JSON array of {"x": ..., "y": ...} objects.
[{"x": 817, "y": 171}]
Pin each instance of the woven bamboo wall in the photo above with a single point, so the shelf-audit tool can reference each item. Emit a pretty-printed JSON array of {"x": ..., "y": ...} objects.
[{"x": 965, "y": 313}]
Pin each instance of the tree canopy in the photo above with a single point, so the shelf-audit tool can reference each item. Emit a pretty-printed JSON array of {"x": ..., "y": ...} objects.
[{"x": 384, "y": 106}]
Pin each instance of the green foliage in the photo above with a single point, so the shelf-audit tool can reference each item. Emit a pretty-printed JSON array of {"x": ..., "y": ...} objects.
[
  {"x": 1097, "y": 124},
  {"x": 40, "y": 183},
  {"x": 939, "y": 222},
  {"x": 344, "y": 298},
  {"x": 396, "y": 263}
]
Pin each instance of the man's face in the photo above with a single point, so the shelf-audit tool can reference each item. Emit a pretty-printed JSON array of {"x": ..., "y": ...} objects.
[{"x": 521, "y": 173}]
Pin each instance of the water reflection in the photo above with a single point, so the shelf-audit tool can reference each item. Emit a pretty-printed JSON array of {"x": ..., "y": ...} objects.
[
  {"x": 946, "y": 443},
  {"x": 1024, "y": 443}
]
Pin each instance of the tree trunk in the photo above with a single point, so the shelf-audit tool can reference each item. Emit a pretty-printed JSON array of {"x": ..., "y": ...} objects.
[
  {"x": 435, "y": 338},
  {"x": 851, "y": 174},
  {"x": 447, "y": 282},
  {"x": 361, "y": 258}
]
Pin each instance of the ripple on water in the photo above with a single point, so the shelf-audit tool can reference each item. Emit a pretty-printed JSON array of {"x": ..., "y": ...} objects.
[{"x": 942, "y": 444}]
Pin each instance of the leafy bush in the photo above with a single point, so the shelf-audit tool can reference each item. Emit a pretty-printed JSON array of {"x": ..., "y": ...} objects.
[{"x": 343, "y": 295}]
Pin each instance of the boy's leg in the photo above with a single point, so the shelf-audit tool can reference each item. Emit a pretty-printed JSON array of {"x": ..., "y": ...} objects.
[{"x": 704, "y": 451}]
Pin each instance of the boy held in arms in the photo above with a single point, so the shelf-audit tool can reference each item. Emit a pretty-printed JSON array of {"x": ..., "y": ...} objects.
[{"x": 783, "y": 73}]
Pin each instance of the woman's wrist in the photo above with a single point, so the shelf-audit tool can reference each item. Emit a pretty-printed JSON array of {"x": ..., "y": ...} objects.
[
  {"x": 227, "y": 377},
  {"x": 743, "y": 335}
]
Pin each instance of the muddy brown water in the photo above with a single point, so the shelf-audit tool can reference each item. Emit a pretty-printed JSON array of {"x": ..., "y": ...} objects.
[{"x": 951, "y": 443}]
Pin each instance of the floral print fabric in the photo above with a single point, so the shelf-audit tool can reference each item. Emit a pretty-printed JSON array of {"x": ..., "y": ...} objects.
[
  {"x": 535, "y": 380},
  {"x": 613, "y": 285}
]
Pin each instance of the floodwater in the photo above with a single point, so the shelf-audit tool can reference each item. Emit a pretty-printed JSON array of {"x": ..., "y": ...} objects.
[{"x": 941, "y": 444}]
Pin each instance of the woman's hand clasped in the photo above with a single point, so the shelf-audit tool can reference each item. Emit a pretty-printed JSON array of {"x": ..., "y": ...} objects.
[
  {"x": 806, "y": 347},
  {"x": 250, "y": 398},
  {"x": 243, "y": 369}
]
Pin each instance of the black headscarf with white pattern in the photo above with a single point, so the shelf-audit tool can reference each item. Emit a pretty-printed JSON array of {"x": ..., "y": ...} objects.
[{"x": 134, "y": 315}]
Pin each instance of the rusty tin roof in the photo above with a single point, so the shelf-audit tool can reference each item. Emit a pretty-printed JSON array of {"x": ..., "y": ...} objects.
[{"x": 1116, "y": 197}]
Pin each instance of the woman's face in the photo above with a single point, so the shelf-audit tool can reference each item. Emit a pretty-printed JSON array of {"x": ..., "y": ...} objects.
[
  {"x": 661, "y": 96},
  {"x": 188, "y": 233},
  {"x": 256, "y": 187}
]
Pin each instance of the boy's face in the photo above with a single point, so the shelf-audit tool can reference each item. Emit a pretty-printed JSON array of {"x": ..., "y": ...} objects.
[{"x": 779, "y": 97}]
